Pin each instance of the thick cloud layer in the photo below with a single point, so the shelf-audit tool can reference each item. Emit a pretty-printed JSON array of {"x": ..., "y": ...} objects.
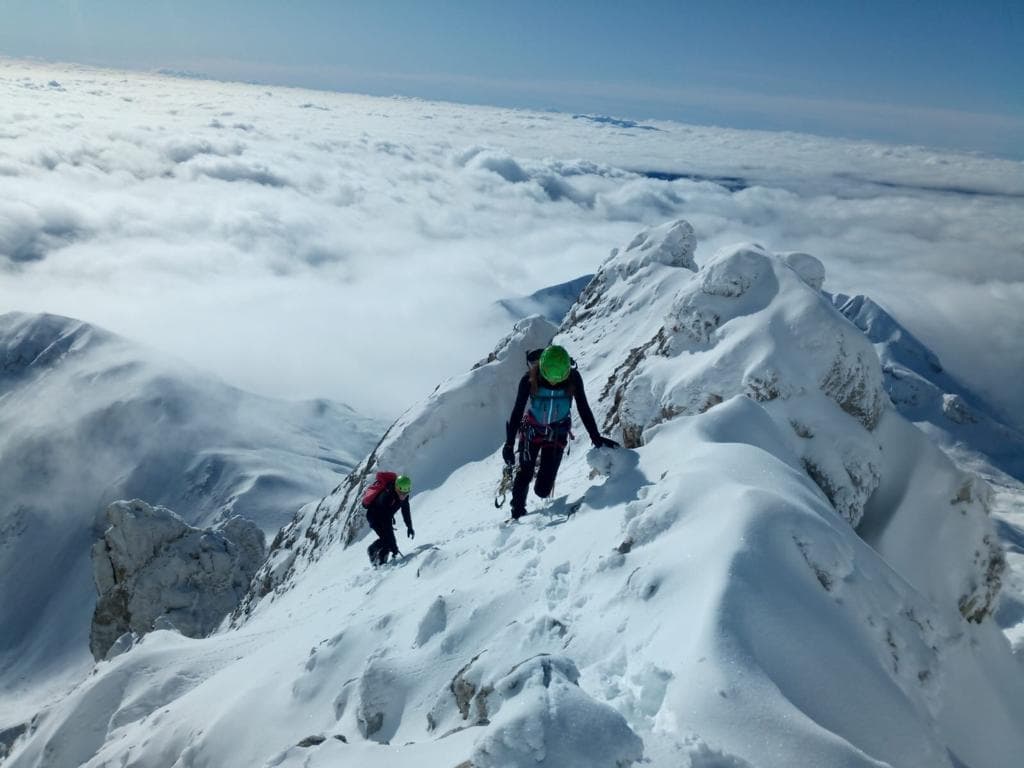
[{"x": 304, "y": 243}]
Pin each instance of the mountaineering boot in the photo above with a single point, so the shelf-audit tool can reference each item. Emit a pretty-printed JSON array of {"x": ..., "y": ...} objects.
[{"x": 374, "y": 552}]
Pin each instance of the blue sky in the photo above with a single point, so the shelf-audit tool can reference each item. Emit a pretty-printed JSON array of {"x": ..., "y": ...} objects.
[{"x": 947, "y": 73}]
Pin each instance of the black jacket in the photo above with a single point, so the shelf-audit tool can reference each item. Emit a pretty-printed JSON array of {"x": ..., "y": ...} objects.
[
  {"x": 386, "y": 504},
  {"x": 575, "y": 382}
]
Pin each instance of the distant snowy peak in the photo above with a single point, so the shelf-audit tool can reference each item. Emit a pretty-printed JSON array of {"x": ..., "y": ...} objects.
[
  {"x": 137, "y": 414},
  {"x": 882, "y": 328},
  {"x": 925, "y": 393},
  {"x": 552, "y": 303},
  {"x": 30, "y": 343}
]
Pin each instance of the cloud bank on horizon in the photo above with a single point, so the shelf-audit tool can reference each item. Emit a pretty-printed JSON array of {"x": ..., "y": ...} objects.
[
  {"x": 305, "y": 244},
  {"x": 946, "y": 75}
]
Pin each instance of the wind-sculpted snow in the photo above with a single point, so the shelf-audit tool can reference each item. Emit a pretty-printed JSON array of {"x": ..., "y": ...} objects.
[
  {"x": 811, "y": 270},
  {"x": 672, "y": 244},
  {"x": 699, "y": 599},
  {"x": 151, "y": 566},
  {"x": 539, "y": 715},
  {"x": 748, "y": 323}
]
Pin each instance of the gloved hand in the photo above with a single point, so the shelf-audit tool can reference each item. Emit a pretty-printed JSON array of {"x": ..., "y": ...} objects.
[
  {"x": 410, "y": 532},
  {"x": 508, "y": 453},
  {"x": 605, "y": 442}
]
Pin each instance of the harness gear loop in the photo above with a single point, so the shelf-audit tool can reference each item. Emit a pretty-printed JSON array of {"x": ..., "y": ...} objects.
[{"x": 504, "y": 486}]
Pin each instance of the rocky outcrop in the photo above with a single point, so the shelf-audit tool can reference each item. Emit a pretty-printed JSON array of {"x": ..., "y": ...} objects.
[
  {"x": 153, "y": 570},
  {"x": 10, "y": 735}
]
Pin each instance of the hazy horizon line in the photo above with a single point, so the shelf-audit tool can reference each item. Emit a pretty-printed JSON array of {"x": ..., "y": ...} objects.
[{"x": 708, "y": 97}]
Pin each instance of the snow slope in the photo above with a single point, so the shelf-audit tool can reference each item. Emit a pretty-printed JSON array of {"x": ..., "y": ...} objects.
[
  {"x": 708, "y": 602},
  {"x": 87, "y": 418}
]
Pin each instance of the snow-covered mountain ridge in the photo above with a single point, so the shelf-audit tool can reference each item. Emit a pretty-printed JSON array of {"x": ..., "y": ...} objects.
[
  {"x": 709, "y": 602},
  {"x": 87, "y": 418},
  {"x": 926, "y": 394},
  {"x": 964, "y": 424},
  {"x": 711, "y": 342}
]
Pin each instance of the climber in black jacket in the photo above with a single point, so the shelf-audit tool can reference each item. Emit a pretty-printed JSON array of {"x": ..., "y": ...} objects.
[
  {"x": 550, "y": 386},
  {"x": 380, "y": 514}
]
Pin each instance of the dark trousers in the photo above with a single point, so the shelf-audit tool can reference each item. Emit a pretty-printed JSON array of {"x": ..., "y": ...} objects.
[
  {"x": 383, "y": 526},
  {"x": 550, "y": 456}
]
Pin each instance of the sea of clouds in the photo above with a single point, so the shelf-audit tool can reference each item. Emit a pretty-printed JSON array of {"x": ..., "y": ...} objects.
[{"x": 312, "y": 244}]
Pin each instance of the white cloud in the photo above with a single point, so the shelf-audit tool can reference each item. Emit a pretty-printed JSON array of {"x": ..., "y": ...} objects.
[{"x": 307, "y": 243}]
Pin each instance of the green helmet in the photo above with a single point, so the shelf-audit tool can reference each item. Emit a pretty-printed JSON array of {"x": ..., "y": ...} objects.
[
  {"x": 555, "y": 364},
  {"x": 403, "y": 484}
]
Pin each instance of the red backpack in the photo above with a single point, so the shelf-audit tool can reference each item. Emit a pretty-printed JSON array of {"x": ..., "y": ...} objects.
[{"x": 379, "y": 483}]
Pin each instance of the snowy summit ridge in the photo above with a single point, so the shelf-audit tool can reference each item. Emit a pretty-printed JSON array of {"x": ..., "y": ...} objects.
[{"x": 780, "y": 570}]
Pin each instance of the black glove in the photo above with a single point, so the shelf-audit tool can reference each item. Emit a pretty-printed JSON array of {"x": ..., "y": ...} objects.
[
  {"x": 410, "y": 532},
  {"x": 508, "y": 453},
  {"x": 604, "y": 442}
]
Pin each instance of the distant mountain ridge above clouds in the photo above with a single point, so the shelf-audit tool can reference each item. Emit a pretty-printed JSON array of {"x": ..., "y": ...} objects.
[
  {"x": 552, "y": 302},
  {"x": 87, "y": 418},
  {"x": 953, "y": 415},
  {"x": 31, "y": 343}
]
